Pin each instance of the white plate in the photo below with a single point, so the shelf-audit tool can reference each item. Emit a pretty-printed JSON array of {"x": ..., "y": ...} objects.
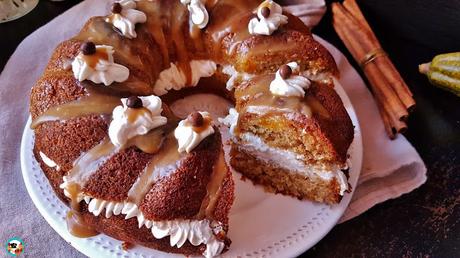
[{"x": 261, "y": 224}]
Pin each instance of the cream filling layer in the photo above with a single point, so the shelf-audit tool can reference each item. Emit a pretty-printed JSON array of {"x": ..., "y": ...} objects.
[
  {"x": 197, "y": 232},
  {"x": 175, "y": 78},
  {"x": 289, "y": 160}
]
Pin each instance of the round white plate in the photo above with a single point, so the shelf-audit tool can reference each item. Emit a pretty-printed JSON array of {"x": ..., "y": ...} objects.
[{"x": 261, "y": 224}]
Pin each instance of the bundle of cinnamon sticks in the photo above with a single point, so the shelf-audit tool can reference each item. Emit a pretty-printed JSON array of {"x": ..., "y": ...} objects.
[{"x": 394, "y": 98}]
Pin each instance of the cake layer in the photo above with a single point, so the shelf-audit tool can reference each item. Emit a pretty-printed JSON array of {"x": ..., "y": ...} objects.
[
  {"x": 281, "y": 180},
  {"x": 288, "y": 160},
  {"x": 316, "y": 127}
]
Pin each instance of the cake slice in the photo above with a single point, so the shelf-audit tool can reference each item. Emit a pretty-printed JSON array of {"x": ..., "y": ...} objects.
[{"x": 289, "y": 144}]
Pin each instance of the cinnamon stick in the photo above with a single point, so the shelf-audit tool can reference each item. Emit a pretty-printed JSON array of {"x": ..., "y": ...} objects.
[
  {"x": 393, "y": 96},
  {"x": 383, "y": 62},
  {"x": 352, "y": 7},
  {"x": 391, "y": 101},
  {"x": 390, "y": 129}
]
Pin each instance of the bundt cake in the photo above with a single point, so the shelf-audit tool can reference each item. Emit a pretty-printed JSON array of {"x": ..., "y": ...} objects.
[{"x": 110, "y": 146}]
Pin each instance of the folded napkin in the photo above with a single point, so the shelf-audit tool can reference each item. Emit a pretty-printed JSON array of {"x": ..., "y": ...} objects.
[{"x": 390, "y": 168}]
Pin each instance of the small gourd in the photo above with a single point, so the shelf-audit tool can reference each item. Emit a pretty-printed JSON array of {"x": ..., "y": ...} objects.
[{"x": 444, "y": 71}]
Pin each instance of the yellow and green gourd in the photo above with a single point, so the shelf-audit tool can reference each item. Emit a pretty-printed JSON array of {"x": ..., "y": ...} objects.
[{"x": 444, "y": 71}]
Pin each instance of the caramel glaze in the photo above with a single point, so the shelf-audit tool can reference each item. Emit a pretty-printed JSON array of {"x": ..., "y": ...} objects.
[
  {"x": 162, "y": 164},
  {"x": 89, "y": 162},
  {"x": 206, "y": 123},
  {"x": 83, "y": 168},
  {"x": 150, "y": 142},
  {"x": 93, "y": 59},
  {"x": 229, "y": 19},
  {"x": 213, "y": 188},
  {"x": 74, "y": 220},
  {"x": 257, "y": 93},
  {"x": 94, "y": 103}
]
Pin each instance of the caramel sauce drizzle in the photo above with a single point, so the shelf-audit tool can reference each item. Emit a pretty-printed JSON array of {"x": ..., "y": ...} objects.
[
  {"x": 258, "y": 94},
  {"x": 92, "y": 60},
  {"x": 103, "y": 33},
  {"x": 74, "y": 220},
  {"x": 178, "y": 40},
  {"x": 150, "y": 142},
  {"x": 195, "y": 34},
  {"x": 206, "y": 123},
  {"x": 83, "y": 168},
  {"x": 157, "y": 24},
  {"x": 134, "y": 113},
  {"x": 112, "y": 17},
  {"x": 88, "y": 163},
  {"x": 162, "y": 164},
  {"x": 213, "y": 188},
  {"x": 230, "y": 17},
  {"x": 95, "y": 103}
]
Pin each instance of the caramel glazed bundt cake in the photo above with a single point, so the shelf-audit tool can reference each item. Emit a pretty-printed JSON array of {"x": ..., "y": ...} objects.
[{"x": 129, "y": 168}]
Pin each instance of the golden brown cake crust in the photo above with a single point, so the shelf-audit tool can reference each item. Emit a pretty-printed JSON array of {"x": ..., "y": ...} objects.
[
  {"x": 180, "y": 195},
  {"x": 74, "y": 136},
  {"x": 338, "y": 128},
  {"x": 113, "y": 180}
]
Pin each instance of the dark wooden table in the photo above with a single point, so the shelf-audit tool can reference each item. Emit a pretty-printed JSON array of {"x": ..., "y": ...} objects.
[{"x": 426, "y": 222}]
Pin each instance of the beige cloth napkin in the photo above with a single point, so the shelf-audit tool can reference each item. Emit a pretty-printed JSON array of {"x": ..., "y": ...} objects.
[
  {"x": 309, "y": 11},
  {"x": 390, "y": 168}
]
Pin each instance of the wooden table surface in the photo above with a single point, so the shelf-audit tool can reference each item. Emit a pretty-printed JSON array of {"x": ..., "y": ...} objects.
[{"x": 426, "y": 222}]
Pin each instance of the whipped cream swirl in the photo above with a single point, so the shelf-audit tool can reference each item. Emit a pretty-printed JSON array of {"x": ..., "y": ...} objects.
[
  {"x": 235, "y": 77},
  {"x": 127, "y": 19},
  {"x": 175, "y": 78},
  {"x": 231, "y": 120},
  {"x": 267, "y": 25},
  {"x": 294, "y": 86},
  {"x": 198, "y": 13},
  {"x": 197, "y": 232},
  {"x": 105, "y": 70},
  {"x": 128, "y": 122},
  {"x": 189, "y": 137}
]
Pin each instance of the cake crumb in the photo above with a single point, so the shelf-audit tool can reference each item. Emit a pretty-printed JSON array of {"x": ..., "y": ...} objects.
[{"x": 126, "y": 246}]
